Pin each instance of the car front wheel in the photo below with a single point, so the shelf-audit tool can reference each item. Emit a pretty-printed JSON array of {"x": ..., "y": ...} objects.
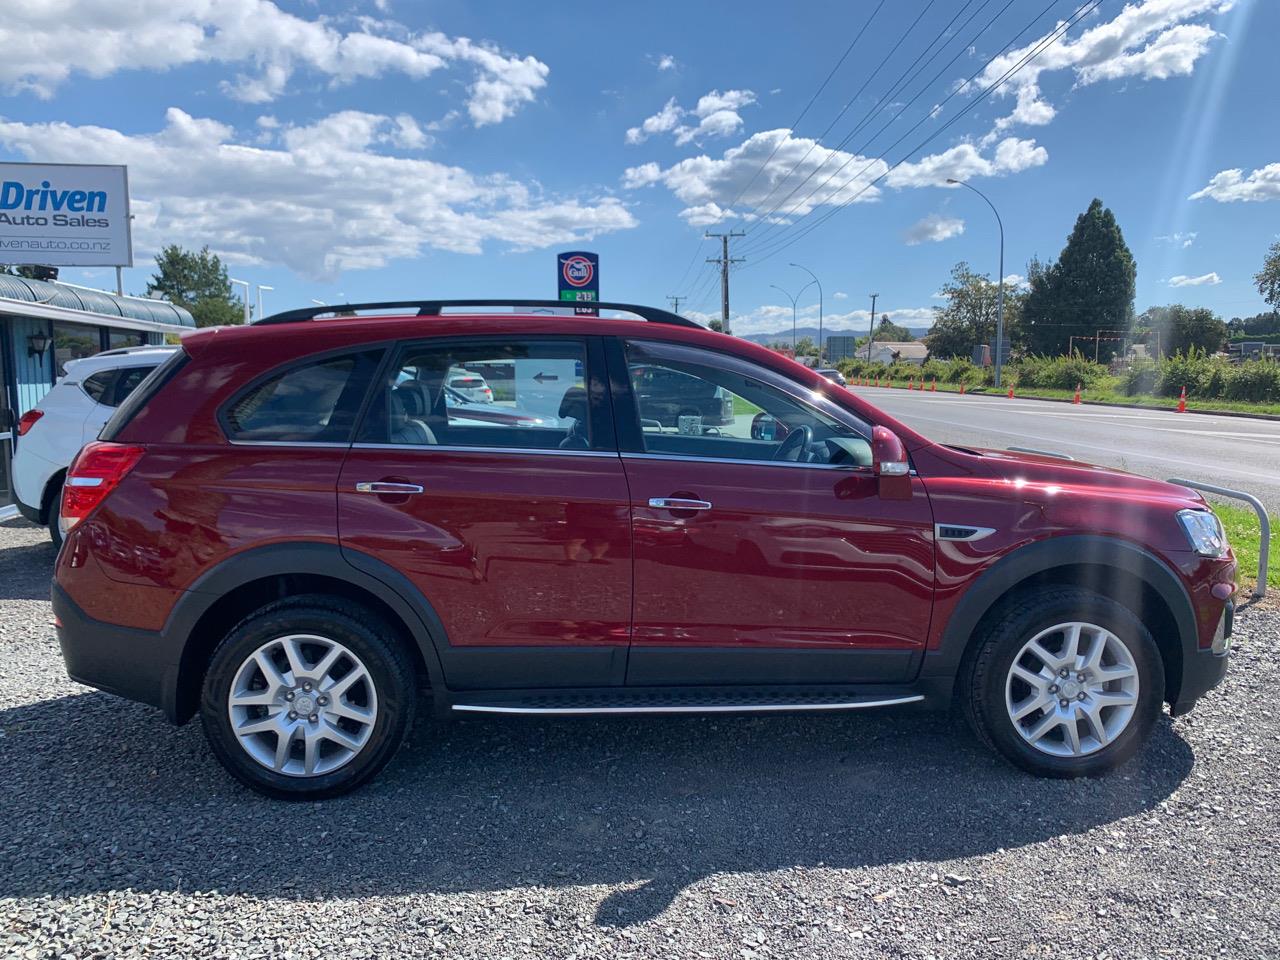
[
  {"x": 308, "y": 698},
  {"x": 1065, "y": 683}
]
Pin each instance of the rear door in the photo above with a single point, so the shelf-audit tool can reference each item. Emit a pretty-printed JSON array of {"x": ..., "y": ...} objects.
[
  {"x": 763, "y": 551},
  {"x": 514, "y": 527}
]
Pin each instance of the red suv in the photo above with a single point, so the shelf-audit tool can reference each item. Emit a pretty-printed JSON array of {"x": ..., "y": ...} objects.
[{"x": 288, "y": 530}]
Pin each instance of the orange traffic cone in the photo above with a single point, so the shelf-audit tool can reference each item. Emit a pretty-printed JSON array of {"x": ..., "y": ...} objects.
[
  {"x": 1182, "y": 401},
  {"x": 877, "y": 381},
  {"x": 1076, "y": 398},
  {"x": 933, "y": 385},
  {"x": 962, "y": 388},
  {"x": 1011, "y": 393},
  {"x": 911, "y": 384}
]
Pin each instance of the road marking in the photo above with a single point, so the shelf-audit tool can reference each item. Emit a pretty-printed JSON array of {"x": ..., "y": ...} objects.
[{"x": 1217, "y": 468}]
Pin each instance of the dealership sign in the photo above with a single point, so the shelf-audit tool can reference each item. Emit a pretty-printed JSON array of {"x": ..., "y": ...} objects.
[
  {"x": 578, "y": 278},
  {"x": 65, "y": 215}
]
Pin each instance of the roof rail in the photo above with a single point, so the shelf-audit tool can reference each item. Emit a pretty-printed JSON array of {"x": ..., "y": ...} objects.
[{"x": 432, "y": 308}]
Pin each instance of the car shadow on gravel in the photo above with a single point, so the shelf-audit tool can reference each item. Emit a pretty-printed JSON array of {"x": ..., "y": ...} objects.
[
  {"x": 25, "y": 569},
  {"x": 99, "y": 794}
]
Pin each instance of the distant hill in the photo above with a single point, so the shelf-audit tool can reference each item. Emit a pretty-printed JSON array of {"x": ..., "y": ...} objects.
[{"x": 812, "y": 332}]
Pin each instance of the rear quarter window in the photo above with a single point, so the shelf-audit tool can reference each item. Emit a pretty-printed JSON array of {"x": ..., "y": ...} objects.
[
  {"x": 312, "y": 402},
  {"x": 150, "y": 385},
  {"x": 99, "y": 385}
]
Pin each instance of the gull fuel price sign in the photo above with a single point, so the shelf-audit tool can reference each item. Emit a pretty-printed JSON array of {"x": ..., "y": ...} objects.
[{"x": 578, "y": 280}]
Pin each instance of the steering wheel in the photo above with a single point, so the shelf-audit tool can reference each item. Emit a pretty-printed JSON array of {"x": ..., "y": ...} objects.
[{"x": 796, "y": 445}]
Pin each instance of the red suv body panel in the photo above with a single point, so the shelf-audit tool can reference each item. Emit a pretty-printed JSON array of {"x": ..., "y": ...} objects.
[{"x": 550, "y": 568}]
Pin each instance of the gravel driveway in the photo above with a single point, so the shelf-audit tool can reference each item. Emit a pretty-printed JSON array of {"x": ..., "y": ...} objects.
[{"x": 862, "y": 836}]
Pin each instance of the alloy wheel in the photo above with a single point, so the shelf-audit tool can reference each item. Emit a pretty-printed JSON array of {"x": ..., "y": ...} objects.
[
  {"x": 1072, "y": 689},
  {"x": 302, "y": 705}
]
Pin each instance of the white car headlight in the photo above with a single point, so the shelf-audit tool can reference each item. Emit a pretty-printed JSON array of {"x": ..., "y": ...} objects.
[{"x": 1204, "y": 531}]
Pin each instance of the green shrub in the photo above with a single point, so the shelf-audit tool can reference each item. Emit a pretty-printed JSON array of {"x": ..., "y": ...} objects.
[
  {"x": 1201, "y": 374},
  {"x": 1256, "y": 380},
  {"x": 1059, "y": 373},
  {"x": 1140, "y": 378}
]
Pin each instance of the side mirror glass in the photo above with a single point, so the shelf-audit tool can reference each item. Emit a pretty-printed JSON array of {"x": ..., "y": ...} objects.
[{"x": 888, "y": 455}]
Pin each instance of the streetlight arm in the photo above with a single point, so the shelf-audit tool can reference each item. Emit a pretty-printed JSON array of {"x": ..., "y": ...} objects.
[{"x": 999, "y": 279}]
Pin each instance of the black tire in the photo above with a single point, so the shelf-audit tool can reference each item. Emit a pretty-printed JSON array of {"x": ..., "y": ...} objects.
[
  {"x": 54, "y": 513},
  {"x": 378, "y": 647},
  {"x": 981, "y": 684}
]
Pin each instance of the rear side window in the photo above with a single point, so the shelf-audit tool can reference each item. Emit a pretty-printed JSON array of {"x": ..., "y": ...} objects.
[
  {"x": 314, "y": 402},
  {"x": 126, "y": 383},
  {"x": 99, "y": 385}
]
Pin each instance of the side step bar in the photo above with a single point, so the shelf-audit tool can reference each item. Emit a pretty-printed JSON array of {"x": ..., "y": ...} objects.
[{"x": 687, "y": 701}]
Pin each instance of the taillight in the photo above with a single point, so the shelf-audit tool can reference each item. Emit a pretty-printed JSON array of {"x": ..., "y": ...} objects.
[
  {"x": 97, "y": 470},
  {"x": 28, "y": 421}
]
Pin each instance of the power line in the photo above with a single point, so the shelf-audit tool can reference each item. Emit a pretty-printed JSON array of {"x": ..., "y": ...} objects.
[
  {"x": 675, "y": 302},
  {"x": 1052, "y": 37},
  {"x": 904, "y": 78},
  {"x": 813, "y": 99},
  {"x": 850, "y": 102}
]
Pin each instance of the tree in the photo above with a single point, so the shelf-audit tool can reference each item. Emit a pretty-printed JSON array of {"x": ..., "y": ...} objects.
[
  {"x": 197, "y": 281},
  {"x": 1088, "y": 290},
  {"x": 969, "y": 318},
  {"x": 26, "y": 272},
  {"x": 1259, "y": 323},
  {"x": 887, "y": 330},
  {"x": 1268, "y": 278},
  {"x": 1182, "y": 328},
  {"x": 806, "y": 347},
  {"x": 716, "y": 325}
]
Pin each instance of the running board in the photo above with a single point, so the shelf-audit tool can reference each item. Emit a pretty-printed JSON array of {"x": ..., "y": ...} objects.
[{"x": 687, "y": 700}]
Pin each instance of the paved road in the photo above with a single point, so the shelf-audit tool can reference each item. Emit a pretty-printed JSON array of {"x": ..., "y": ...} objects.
[{"x": 1235, "y": 452}]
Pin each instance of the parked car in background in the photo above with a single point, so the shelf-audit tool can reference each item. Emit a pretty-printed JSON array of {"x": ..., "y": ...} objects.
[
  {"x": 470, "y": 385},
  {"x": 52, "y": 432},
  {"x": 835, "y": 376},
  {"x": 289, "y": 531}
]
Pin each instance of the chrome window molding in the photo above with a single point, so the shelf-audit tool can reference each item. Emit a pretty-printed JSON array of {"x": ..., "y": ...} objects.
[
  {"x": 323, "y": 444},
  {"x": 846, "y": 467},
  {"x": 453, "y": 448}
]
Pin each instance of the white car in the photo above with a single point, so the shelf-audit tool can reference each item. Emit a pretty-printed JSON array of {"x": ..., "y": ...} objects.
[
  {"x": 470, "y": 385},
  {"x": 51, "y": 433}
]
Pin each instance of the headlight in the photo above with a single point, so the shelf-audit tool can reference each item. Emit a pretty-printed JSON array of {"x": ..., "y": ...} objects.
[{"x": 1204, "y": 531}]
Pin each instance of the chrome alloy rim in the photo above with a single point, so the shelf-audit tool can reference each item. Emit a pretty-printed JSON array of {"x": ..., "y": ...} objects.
[
  {"x": 1072, "y": 689},
  {"x": 302, "y": 705}
]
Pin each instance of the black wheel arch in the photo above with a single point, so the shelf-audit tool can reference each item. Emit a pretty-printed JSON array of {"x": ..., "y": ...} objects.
[
  {"x": 1114, "y": 568},
  {"x": 240, "y": 584},
  {"x": 52, "y": 488}
]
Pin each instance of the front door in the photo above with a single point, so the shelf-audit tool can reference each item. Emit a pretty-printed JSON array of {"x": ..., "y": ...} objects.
[
  {"x": 509, "y": 515},
  {"x": 763, "y": 551}
]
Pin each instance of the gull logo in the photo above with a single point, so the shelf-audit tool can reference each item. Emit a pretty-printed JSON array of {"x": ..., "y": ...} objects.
[{"x": 577, "y": 271}]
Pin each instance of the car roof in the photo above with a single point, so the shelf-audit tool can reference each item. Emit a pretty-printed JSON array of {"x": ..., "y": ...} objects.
[{"x": 149, "y": 356}]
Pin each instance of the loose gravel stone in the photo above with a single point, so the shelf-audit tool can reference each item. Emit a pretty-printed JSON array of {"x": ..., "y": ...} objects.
[{"x": 855, "y": 836}]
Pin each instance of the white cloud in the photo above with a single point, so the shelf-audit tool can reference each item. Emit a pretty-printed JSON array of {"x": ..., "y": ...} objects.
[
  {"x": 408, "y": 134},
  {"x": 1015, "y": 280},
  {"x": 773, "y": 318},
  {"x": 321, "y": 199},
  {"x": 644, "y": 175},
  {"x": 1151, "y": 40},
  {"x": 839, "y": 295},
  {"x": 1183, "y": 240},
  {"x": 1207, "y": 279},
  {"x": 716, "y": 113},
  {"x": 666, "y": 61},
  {"x": 1232, "y": 185},
  {"x": 45, "y": 43},
  {"x": 933, "y": 228},
  {"x": 965, "y": 160},
  {"x": 705, "y": 214}
]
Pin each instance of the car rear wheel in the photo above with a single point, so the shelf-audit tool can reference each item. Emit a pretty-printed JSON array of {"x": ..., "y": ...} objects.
[
  {"x": 55, "y": 515},
  {"x": 308, "y": 698},
  {"x": 1064, "y": 683}
]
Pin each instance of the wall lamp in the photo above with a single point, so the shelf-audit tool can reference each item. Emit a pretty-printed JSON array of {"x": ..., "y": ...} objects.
[{"x": 37, "y": 344}]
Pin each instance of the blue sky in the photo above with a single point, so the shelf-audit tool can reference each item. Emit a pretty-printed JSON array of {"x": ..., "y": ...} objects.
[{"x": 381, "y": 150}]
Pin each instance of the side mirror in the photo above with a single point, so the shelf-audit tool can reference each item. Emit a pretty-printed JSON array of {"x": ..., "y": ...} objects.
[{"x": 888, "y": 455}]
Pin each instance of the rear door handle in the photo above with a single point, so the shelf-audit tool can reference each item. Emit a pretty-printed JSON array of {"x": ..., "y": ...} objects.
[
  {"x": 386, "y": 486},
  {"x": 678, "y": 503}
]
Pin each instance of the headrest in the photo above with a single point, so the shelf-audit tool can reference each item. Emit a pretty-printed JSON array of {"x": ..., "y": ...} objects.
[{"x": 574, "y": 404}]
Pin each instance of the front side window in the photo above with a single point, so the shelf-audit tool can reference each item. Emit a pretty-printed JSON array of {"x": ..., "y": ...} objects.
[
  {"x": 311, "y": 403},
  {"x": 693, "y": 403},
  {"x": 526, "y": 394}
]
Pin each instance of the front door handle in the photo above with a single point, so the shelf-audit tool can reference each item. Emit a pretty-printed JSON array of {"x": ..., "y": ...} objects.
[
  {"x": 678, "y": 503},
  {"x": 387, "y": 486}
]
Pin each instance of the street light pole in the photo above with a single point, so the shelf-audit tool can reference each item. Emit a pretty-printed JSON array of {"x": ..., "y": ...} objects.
[
  {"x": 1000, "y": 296},
  {"x": 261, "y": 287},
  {"x": 815, "y": 280},
  {"x": 245, "y": 284},
  {"x": 793, "y": 315}
]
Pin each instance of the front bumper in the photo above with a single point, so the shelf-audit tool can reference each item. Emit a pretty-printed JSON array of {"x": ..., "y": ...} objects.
[
  {"x": 135, "y": 664},
  {"x": 1204, "y": 669}
]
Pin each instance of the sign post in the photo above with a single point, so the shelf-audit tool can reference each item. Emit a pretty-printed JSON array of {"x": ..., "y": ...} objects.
[
  {"x": 578, "y": 280},
  {"x": 65, "y": 215}
]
